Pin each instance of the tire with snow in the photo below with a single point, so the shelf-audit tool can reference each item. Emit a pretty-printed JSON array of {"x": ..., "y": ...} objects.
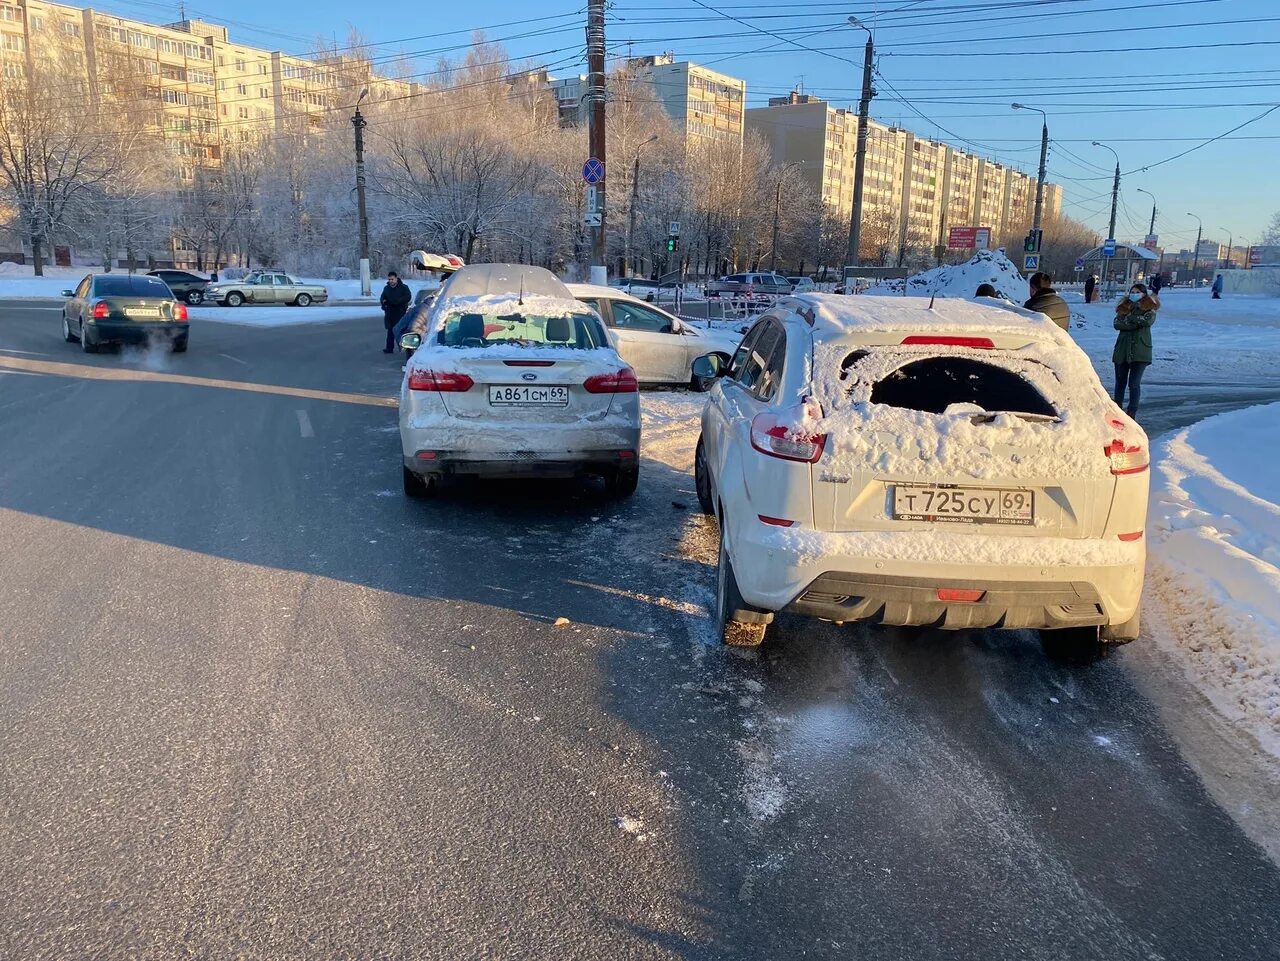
[
  {"x": 235, "y": 298},
  {"x": 702, "y": 479},
  {"x": 1074, "y": 645},
  {"x": 741, "y": 625},
  {"x": 417, "y": 486}
]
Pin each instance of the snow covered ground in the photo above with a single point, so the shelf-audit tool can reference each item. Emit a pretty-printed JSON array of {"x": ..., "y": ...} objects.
[{"x": 1215, "y": 562}]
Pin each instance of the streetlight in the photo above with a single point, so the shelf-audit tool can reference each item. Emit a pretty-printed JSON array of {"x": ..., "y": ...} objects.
[
  {"x": 1152, "y": 229},
  {"x": 860, "y": 159},
  {"x": 630, "y": 266},
  {"x": 1231, "y": 238},
  {"x": 1115, "y": 199},
  {"x": 359, "y": 123},
  {"x": 1044, "y": 158},
  {"x": 777, "y": 205},
  {"x": 1195, "y": 263}
]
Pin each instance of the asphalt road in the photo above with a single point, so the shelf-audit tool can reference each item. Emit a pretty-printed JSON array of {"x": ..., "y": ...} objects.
[{"x": 255, "y": 704}]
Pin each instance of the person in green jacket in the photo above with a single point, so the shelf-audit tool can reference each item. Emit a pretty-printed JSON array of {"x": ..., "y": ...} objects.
[{"x": 1132, "y": 355}]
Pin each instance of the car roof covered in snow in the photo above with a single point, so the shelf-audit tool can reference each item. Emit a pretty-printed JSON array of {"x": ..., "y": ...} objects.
[
  {"x": 480, "y": 280},
  {"x": 838, "y": 316}
]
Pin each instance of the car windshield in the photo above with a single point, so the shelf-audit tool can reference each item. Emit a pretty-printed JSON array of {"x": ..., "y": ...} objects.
[
  {"x": 932, "y": 384},
  {"x": 579, "y": 331},
  {"x": 125, "y": 285}
]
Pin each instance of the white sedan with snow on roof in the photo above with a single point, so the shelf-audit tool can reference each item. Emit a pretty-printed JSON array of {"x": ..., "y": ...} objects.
[
  {"x": 512, "y": 378},
  {"x": 955, "y": 466},
  {"x": 659, "y": 346}
]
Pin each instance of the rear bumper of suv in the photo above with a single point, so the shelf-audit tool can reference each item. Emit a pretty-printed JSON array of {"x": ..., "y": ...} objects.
[{"x": 817, "y": 574}]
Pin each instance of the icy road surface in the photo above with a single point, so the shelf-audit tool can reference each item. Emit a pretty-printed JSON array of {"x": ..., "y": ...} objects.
[{"x": 254, "y": 703}]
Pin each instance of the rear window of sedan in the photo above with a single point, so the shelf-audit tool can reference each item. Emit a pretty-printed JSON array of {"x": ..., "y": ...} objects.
[
  {"x": 578, "y": 331},
  {"x": 125, "y": 285}
]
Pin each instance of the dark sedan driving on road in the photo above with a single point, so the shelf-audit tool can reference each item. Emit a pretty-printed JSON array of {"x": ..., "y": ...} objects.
[{"x": 123, "y": 308}]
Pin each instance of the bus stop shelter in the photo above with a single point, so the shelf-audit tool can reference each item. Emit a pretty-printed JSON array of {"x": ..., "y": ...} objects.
[{"x": 1129, "y": 264}]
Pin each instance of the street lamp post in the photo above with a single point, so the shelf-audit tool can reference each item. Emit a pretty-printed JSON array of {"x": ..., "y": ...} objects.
[
  {"x": 1195, "y": 261},
  {"x": 1231, "y": 243},
  {"x": 1044, "y": 159},
  {"x": 860, "y": 158},
  {"x": 1115, "y": 199},
  {"x": 777, "y": 206},
  {"x": 629, "y": 267},
  {"x": 359, "y": 123},
  {"x": 1151, "y": 230}
]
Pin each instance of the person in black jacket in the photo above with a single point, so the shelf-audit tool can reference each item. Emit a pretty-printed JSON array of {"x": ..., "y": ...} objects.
[
  {"x": 1046, "y": 300},
  {"x": 395, "y": 303},
  {"x": 1090, "y": 285}
]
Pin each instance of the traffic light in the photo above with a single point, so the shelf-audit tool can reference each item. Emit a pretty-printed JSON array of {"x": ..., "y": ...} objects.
[
  {"x": 1031, "y": 244},
  {"x": 673, "y": 244}
]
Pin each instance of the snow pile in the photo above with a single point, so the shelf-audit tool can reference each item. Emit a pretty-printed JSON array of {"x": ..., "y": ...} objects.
[
  {"x": 19, "y": 280},
  {"x": 962, "y": 280},
  {"x": 1215, "y": 533}
]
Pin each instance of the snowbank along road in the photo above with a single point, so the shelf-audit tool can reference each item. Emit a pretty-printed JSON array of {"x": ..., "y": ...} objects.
[{"x": 254, "y": 703}]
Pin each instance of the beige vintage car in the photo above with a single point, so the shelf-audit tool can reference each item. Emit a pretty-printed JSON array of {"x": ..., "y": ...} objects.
[{"x": 265, "y": 287}]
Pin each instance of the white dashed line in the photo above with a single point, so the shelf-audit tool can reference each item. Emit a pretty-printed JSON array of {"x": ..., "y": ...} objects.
[
  {"x": 304, "y": 424},
  {"x": 242, "y": 363}
]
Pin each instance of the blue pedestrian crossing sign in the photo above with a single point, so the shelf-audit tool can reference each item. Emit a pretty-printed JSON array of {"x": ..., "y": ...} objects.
[{"x": 1031, "y": 262}]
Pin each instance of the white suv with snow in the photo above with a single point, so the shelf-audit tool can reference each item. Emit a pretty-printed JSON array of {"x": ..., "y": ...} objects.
[{"x": 954, "y": 466}]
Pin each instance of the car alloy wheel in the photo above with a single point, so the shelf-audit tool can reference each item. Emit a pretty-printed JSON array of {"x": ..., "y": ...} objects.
[
  {"x": 304, "y": 300},
  {"x": 194, "y": 298},
  {"x": 234, "y": 299}
]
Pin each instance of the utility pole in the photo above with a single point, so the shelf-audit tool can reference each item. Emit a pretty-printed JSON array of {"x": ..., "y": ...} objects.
[
  {"x": 629, "y": 261},
  {"x": 1195, "y": 259},
  {"x": 359, "y": 123},
  {"x": 860, "y": 159},
  {"x": 595, "y": 96},
  {"x": 1115, "y": 199},
  {"x": 777, "y": 205},
  {"x": 1231, "y": 243},
  {"x": 1035, "y": 242}
]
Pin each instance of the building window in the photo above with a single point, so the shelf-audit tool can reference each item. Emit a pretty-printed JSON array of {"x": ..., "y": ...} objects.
[
  {"x": 12, "y": 42},
  {"x": 37, "y": 22},
  {"x": 241, "y": 89},
  {"x": 262, "y": 93},
  {"x": 10, "y": 13},
  {"x": 70, "y": 29},
  {"x": 13, "y": 71},
  {"x": 240, "y": 65}
]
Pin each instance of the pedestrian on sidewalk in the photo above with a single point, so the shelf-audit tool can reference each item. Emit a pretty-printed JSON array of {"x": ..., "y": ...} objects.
[
  {"x": 1047, "y": 301},
  {"x": 1218, "y": 284},
  {"x": 1090, "y": 285},
  {"x": 395, "y": 302},
  {"x": 1157, "y": 281},
  {"x": 1133, "y": 351}
]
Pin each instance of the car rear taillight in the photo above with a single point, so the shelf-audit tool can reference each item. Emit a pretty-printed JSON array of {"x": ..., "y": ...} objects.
[
  {"x": 444, "y": 382},
  {"x": 784, "y": 434},
  {"x": 931, "y": 340},
  {"x": 1127, "y": 458},
  {"x": 617, "y": 382},
  {"x": 101, "y": 311},
  {"x": 179, "y": 311}
]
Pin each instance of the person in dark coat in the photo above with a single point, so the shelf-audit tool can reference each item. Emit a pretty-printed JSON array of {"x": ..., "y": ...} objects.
[
  {"x": 1135, "y": 316},
  {"x": 1047, "y": 301},
  {"x": 1218, "y": 284},
  {"x": 395, "y": 302},
  {"x": 1090, "y": 285},
  {"x": 1157, "y": 281}
]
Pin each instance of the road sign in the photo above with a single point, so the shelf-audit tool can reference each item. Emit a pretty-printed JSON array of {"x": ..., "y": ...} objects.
[
  {"x": 674, "y": 229},
  {"x": 1151, "y": 242},
  {"x": 1079, "y": 263},
  {"x": 593, "y": 197},
  {"x": 1031, "y": 262},
  {"x": 1108, "y": 248},
  {"x": 592, "y": 218},
  {"x": 593, "y": 171},
  {"x": 1079, "y": 268}
]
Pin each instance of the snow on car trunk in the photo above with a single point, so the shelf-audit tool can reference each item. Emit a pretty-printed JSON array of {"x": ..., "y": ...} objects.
[{"x": 989, "y": 424}]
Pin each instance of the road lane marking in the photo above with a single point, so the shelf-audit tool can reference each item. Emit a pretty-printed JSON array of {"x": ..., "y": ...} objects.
[
  {"x": 304, "y": 424},
  {"x": 86, "y": 372},
  {"x": 237, "y": 360}
]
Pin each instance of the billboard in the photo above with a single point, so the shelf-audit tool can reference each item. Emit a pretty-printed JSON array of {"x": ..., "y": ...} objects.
[
  {"x": 962, "y": 238},
  {"x": 1267, "y": 254}
]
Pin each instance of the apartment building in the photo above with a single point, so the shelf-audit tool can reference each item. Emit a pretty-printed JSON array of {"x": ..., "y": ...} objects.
[
  {"x": 914, "y": 188},
  {"x": 708, "y": 106}
]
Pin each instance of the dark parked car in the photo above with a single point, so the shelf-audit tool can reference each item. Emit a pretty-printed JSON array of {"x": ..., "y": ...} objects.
[
  {"x": 185, "y": 285},
  {"x": 123, "y": 308}
]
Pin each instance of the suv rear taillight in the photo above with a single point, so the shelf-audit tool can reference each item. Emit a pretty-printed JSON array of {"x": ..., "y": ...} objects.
[
  {"x": 784, "y": 433},
  {"x": 101, "y": 311},
  {"x": 444, "y": 382},
  {"x": 617, "y": 382},
  {"x": 1127, "y": 458},
  {"x": 180, "y": 312}
]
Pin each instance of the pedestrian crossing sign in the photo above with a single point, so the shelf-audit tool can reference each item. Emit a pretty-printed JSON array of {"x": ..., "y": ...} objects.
[{"x": 1031, "y": 262}]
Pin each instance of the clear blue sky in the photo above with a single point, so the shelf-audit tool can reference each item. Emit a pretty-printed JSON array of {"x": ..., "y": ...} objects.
[{"x": 1096, "y": 66}]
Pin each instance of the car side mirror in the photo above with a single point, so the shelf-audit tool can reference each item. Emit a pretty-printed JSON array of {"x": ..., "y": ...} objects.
[
  {"x": 708, "y": 367},
  {"x": 411, "y": 341},
  {"x": 68, "y": 293}
]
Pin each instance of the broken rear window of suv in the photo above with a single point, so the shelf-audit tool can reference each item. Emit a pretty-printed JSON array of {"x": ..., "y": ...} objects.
[{"x": 932, "y": 384}]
